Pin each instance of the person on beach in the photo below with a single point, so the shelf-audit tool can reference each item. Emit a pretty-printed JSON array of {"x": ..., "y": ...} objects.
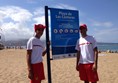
[
  {"x": 35, "y": 51},
  {"x": 87, "y": 56}
]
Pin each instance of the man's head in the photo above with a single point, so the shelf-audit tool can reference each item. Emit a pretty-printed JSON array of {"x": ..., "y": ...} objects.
[
  {"x": 39, "y": 28},
  {"x": 83, "y": 26},
  {"x": 83, "y": 29}
]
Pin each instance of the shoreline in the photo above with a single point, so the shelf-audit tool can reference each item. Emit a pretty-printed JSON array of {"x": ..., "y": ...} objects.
[{"x": 24, "y": 47}]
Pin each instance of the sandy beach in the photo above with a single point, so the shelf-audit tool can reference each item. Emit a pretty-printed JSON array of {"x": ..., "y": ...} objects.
[{"x": 13, "y": 68}]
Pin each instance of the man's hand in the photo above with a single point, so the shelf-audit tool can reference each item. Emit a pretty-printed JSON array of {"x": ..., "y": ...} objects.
[
  {"x": 94, "y": 67},
  {"x": 30, "y": 75},
  {"x": 77, "y": 67}
]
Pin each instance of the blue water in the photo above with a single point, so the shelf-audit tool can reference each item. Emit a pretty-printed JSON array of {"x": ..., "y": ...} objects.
[
  {"x": 108, "y": 46},
  {"x": 104, "y": 46}
]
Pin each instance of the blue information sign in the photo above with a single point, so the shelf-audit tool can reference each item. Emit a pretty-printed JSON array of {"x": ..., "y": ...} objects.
[{"x": 64, "y": 32}]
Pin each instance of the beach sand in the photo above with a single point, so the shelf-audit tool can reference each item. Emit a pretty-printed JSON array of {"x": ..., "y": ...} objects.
[{"x": 13, "y": 68}]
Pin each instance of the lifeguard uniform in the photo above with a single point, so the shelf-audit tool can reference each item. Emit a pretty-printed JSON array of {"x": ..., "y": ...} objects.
[
  {"x": 85, "y": 46},
  {"x": 37, "y": 48}
]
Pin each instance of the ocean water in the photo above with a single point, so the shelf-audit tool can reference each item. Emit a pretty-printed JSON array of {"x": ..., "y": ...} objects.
[
  {"x": 107, "y": 46},
  {"x": 102, "y": 46}
]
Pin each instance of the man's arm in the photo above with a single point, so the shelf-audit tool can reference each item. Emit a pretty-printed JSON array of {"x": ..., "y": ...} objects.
[
  {"x": 30, "y": 75},
  {"x": 95, "y": 58},
  {"x": 44, "y": 52},
  {"x": 77, "y": 61}
]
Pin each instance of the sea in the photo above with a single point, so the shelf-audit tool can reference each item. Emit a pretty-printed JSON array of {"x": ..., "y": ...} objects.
[
  {"x": 101, "y": 46},
  {"x": 108, "y": 46}
]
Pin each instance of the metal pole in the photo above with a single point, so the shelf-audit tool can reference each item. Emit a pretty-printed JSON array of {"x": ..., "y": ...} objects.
[{"x": 47, "y": 45}]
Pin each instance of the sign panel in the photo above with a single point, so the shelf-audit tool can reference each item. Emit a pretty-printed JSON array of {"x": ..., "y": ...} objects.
[{"x": 64, "y": 32}]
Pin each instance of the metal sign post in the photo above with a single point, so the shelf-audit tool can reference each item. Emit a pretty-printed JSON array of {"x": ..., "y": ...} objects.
[{"x": 47, "y": 45}]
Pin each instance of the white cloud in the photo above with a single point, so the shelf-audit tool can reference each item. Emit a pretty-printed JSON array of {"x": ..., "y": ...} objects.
[
  {"x": 15, "y": 13},
  {"x": 103, "y": 24},
  {"x": 17, "y": 23},
  {"x": 39, "y": 20},
  {"x": 31, "y": 1},
  {"x": 64, "y": 6},
  {"x": 39, "y": 11},
  {"x": 107, "y": 35},
  {"x": 104, "y": 31},
  {"x": 14, "y": 22},
  {"x": 16, "y": 31}
]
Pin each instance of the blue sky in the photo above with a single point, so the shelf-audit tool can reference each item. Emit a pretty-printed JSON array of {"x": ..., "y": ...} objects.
[{"x": 17, "y": 17}]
